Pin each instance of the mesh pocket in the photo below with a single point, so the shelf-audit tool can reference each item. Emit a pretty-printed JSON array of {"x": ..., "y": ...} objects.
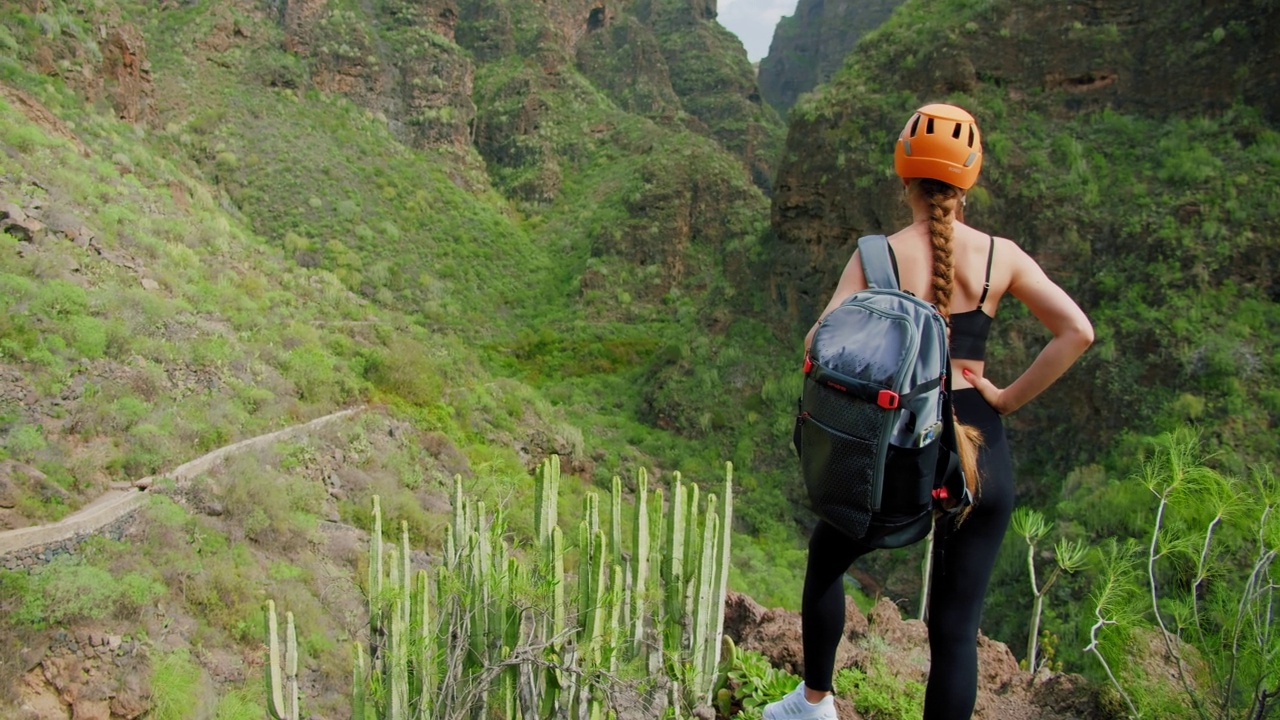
[
  {"x": 838, "y": 472},
  {"x": 842, "y": 413}
]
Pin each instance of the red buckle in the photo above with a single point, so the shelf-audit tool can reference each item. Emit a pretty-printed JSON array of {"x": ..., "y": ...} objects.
[
  {"x": 941, "y": 493},
  {"x": 808, "y": 363},
  {"x": 887, "y": 399}
]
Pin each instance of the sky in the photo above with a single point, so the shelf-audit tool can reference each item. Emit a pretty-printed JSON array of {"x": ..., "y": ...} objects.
[{"x": 753, "y": 21}]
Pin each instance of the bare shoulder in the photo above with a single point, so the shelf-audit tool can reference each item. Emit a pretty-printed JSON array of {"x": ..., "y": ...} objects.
[
  {"x": 1009, "y": 247},
  {"x": 1011, "y": 256}
]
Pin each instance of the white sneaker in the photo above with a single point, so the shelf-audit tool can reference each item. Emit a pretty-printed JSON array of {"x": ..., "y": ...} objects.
[{"x": 794, "y": 706}]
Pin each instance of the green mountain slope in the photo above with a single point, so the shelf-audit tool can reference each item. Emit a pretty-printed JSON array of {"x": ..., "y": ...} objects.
[{"x": 225, "y": 218}]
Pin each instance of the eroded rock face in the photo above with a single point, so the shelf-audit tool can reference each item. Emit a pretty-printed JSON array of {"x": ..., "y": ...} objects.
[
  {"x": 400, "y": 62},
  {"x": 667, "y": 60},
  {"x": 127, "y": 73},
  {"x": 110, "y": 64},
  {"x": 881, "y": 641},
  {"x": 87, "y": 675},
  {"x": 811, "y": 44}
]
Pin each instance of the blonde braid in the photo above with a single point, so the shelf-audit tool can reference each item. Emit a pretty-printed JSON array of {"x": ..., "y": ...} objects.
[{"x": 943, "y": 200}]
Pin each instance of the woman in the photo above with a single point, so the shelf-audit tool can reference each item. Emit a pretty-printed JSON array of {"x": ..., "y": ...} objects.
[{"x": 965, "y": 273}]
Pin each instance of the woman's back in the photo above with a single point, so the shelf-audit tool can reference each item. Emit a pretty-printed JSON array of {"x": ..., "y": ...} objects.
[{"x": 913, "y": 248}]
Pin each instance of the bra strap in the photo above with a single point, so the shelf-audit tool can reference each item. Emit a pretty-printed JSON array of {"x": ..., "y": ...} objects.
[{"x": 986, "y": 284}]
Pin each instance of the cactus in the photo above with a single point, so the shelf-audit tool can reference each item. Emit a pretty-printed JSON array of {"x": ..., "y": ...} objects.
[
  {"x": 639, "y": 561},
  {"x": 597, "y": 601},
  {"x": 375, "y": 571},
  {"x": 282, "y": 682},
  {"x": 546, "y": 491},
  {"x": 615, "y": 521},
  {"x": 673, "y": 571},
  {"x": 359, "y": 693},
  {"x": 702, "y": 606},
  {"x": 442, "y": 642},
  {"x": 425, "y": 679},
  {"x": 723, "y": 555}
]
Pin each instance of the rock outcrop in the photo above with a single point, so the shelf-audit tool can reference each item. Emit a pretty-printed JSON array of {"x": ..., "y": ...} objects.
[
  {"x": 401, "y": 62},
  {"x": 89, "y": 675},
  {"x": 111, "y": 66},
  {"x": 665, "y": 60},
  {"x": 881, "y": 641},
  {"x": 811, "y": 44}
]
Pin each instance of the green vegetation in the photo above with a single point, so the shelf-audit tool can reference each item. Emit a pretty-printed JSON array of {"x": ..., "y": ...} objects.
[
  {"x": 175, "y": 686},
  {"x": 1176, "y": 593},
  {"x": 876, "y": 693},
  {"x": 73, "y": 590},
  {"x": 1068, "y": 557},
  {"x": 575, "y": 257},
  {"x": 492, "y": 628},
  {"x": 748, "y": 682}
]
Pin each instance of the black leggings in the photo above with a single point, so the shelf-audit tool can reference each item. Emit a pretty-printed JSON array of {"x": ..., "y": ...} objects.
[{"x": 963, "y": 558}]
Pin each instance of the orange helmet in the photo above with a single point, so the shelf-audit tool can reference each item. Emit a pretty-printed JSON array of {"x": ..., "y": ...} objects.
[{"x": 940, "y": 142}]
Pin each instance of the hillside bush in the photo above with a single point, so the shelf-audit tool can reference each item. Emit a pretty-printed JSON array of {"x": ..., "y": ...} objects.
[
  {"x": 69, "y": 590},
  {"x": 175, "y": 686},
  {"x": 1179, "y": 595}
]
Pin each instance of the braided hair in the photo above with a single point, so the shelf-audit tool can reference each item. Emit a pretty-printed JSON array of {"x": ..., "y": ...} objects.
[{"x": 944, "y": 202}]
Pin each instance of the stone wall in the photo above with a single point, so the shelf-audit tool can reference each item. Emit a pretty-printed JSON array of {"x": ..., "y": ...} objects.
[{"x": 37, "y": 555}]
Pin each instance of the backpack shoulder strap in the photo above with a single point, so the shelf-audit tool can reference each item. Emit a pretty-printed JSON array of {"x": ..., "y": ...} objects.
[{"x": 877, "y": 266}]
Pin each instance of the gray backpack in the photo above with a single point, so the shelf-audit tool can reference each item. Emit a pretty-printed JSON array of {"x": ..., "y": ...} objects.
[{"x": 875, "y": 430}]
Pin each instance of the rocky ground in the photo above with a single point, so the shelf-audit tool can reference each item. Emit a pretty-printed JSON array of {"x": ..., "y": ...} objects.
[{"x": 1005, "y": 691}]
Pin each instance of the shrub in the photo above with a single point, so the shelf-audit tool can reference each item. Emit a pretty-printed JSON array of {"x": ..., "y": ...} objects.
[
  {"x": 88, "y": 336},
  {"x": 749, "y": 683},
  {"x": 280, "y": 511},
  {"x": 876, "y": 693},
  {"x": 25, "y": 441},
  {"x": 175, "y": 686},
  {"x": 69, "y": 590}
]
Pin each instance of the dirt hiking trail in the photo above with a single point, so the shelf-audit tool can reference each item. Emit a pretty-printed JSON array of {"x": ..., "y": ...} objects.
[{"x": 115, "y": 504}]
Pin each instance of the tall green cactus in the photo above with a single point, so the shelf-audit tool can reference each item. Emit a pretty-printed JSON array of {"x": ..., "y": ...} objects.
[
  {"x": 546, "y": 492},
  {"x": 359, "y": 691},
  {"x": 282, "y": 680},
  {"x": 673, "y": 571},
  {"x": 639, "y": 562},
  {"x": 628, "y": 606},
  {"x": 721, "y": 566}
]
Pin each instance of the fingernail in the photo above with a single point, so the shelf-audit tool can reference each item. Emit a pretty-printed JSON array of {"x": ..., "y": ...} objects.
[{"x": 966, "y": 372}]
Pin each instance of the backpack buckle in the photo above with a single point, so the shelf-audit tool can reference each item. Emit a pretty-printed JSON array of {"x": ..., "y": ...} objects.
[
  {"x": 887, "y": 399},
  {"x": 941, "y": 495}
]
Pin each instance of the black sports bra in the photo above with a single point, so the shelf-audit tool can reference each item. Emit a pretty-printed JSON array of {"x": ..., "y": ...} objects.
[{"x": 969, "y": 329}]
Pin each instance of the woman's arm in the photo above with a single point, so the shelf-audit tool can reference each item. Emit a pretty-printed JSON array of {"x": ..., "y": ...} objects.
[
  {"x": 1072, "y": 335},
  {"x": 851, "y": 281}
]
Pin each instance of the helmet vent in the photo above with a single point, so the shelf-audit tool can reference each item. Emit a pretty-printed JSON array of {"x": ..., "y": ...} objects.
[
  {"x": 971, "y": 136},
  {"x": 915, "y": 125},
  {"x": 928, "y": 128},
  {"x": 956, "y": 133}
]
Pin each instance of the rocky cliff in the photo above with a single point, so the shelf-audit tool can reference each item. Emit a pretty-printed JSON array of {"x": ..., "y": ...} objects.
[
  {"x": 811, "y": 44},
  {"x": 664, "y": 60}
]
